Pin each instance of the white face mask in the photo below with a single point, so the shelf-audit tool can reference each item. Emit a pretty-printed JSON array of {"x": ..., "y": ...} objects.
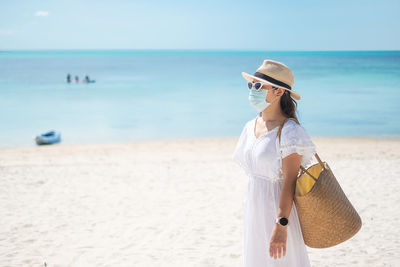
[{"x": 258, "y": 99}]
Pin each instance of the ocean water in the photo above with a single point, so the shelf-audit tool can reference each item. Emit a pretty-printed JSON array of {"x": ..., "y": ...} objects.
[{"x": 141, "y": 95}]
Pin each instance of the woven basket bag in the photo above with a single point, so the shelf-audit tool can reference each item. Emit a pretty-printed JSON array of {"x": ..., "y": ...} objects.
[{"x": 326, "y": 216}]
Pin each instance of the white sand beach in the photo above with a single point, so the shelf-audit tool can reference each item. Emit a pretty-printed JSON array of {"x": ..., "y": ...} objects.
[{"x": 174, "y": 203}]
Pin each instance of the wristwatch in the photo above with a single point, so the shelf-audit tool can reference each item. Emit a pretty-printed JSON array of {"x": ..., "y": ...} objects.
[{"x": 282, "y": 221}]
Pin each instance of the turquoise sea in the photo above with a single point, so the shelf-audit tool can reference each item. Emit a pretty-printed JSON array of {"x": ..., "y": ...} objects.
[{"x": 168, "y": 94}]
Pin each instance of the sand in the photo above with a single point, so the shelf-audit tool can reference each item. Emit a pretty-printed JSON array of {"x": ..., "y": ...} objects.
[{"x": 174, "y": 203}]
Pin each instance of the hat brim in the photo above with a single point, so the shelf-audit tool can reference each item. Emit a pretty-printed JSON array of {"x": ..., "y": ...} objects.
[{"x": 250, "y": 78}]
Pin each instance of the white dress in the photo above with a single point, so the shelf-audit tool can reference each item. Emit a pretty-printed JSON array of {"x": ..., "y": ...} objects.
[{"x": 262, "y": 164}]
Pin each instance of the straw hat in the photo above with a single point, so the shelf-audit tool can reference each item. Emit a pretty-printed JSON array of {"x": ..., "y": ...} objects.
[{"x": 274, "y": 73}]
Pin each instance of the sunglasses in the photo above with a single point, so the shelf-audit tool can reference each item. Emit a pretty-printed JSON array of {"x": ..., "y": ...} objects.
[{"x": 257, "y": 86}]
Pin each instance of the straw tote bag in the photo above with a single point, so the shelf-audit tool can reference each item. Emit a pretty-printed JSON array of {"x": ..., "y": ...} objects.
[{"x": 326, "y": 216}]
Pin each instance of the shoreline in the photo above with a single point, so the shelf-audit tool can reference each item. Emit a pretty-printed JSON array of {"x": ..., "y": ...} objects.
[{"x": 389, "y": 138}]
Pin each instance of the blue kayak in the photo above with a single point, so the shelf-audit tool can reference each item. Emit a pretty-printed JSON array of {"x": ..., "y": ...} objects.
[{"x": 48, "y": 138}]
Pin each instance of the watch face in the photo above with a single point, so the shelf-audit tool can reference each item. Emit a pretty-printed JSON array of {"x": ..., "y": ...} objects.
[{"x": 283, "y": 221}]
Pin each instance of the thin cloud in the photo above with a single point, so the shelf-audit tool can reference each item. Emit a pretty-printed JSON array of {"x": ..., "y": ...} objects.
[
  {"x": 41, "y": 13},
  {"x": 6, "y": 31}
]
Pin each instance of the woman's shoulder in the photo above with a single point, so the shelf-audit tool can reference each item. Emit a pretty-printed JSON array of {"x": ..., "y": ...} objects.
[
  {"x": 291, "y": 125},
  {"x": 246, "y": 127},
  {"x": 295, "y": 139},
  {"x": 249, "y": 123},
  {"x": 293, "y": 131}
]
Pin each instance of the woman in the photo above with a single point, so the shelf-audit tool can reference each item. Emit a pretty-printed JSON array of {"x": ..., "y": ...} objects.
[{"x": 272, "y": 233}]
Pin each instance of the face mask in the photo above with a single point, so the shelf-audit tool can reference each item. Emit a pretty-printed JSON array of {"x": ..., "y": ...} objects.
[{"x": 257, "y": 99}]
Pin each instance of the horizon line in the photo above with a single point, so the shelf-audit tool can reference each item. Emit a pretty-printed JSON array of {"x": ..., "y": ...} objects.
[{"x": 188, "y": 49}]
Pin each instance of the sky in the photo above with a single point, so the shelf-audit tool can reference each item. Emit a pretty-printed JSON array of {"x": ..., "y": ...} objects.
[{"x": 206, "y": 24}]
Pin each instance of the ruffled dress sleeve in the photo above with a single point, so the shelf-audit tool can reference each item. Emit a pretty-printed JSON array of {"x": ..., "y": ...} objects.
[
  {"x": 238, "y": 153},
  {"x": 295, "y": 139}
]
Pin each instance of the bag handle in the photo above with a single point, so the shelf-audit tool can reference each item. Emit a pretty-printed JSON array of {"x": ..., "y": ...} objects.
[{"x": 316, "y": 154}]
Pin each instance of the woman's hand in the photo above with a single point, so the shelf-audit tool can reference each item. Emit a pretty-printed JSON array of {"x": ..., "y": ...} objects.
[{"x": 277, "y": 242}]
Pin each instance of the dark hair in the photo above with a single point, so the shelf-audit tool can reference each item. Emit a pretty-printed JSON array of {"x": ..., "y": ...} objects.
[{"x": 288, "y": 105}]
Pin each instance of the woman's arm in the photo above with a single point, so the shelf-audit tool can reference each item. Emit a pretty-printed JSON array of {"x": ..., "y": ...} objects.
[{"x": 290, "y": 169}]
